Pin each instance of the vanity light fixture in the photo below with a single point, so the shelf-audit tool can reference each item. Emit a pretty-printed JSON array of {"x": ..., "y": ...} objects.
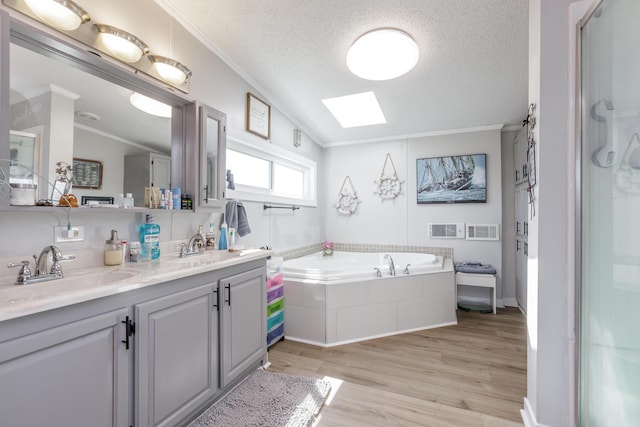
[
  {"x": 382, "y": 54},
  {"x": 150, "y": 105},
  {"x": 170, "y": 70},
  {"x": 123, "y": 45},
  {"x": 61, "y": 14}
]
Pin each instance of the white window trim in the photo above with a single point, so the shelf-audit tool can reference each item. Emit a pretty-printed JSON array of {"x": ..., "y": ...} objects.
[{"x": 286, "y": 158}]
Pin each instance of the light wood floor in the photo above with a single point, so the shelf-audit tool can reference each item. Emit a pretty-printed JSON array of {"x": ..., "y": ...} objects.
[{"x": 470, "y": 374}]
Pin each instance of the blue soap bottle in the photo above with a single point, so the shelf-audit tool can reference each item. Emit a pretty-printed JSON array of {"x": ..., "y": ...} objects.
[
  {"x": 222, "y": 240},
  {"x": 150, "y": 238}
]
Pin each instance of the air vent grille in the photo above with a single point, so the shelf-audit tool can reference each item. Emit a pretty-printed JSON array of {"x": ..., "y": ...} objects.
[
  {"x": 483, "y": 232},
  {"x": 446, "y": 231}
]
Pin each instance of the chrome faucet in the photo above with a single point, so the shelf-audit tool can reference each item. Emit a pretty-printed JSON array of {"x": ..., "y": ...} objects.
[
  {"x": 392, "y": 266},
  {"x": 41, "y": 261},
  {"x": 41, "y": 274},
  {"x": 191, "y": 248}
]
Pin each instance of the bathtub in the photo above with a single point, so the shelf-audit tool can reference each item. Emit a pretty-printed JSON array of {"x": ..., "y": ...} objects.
[
  {"x": 339, "y": 299},
  {"x": 358, "y": 265}
]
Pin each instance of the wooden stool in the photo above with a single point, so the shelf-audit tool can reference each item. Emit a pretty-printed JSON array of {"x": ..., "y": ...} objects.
[{"x": 480, "y": 280}]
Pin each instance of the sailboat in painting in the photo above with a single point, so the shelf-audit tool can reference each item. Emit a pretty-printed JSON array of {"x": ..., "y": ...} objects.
[{"x": 451, "y": 179}]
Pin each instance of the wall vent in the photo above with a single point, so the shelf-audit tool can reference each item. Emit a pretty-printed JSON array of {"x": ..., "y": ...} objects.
[
  {"x": 483, "y": 232},
  {"x": 446, "y": 231}
]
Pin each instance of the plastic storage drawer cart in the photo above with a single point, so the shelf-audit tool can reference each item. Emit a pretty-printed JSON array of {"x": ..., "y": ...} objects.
[{"x": 275, "y": 301}]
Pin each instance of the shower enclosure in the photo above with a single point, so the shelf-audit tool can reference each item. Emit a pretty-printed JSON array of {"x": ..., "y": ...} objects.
[{"x": 608, "y": 225}]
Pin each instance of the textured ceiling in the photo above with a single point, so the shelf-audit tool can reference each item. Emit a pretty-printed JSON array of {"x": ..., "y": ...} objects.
[{"x": 472, "y": 69}]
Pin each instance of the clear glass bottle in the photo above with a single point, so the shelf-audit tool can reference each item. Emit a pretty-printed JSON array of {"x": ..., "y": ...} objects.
[{"x": 113, "y": 250}]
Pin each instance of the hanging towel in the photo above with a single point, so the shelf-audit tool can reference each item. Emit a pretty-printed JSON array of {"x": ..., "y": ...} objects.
[{"x": 236, "y": 217}]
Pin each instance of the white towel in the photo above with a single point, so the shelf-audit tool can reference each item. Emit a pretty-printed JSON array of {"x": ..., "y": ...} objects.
[{"x": 236, "y": 217}]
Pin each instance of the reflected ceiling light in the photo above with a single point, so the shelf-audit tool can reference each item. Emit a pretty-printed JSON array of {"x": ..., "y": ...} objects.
[
  {"x": 170, "y": 70},
  {"x": 123, "y": 45},
  {"x": 150, "y": 105},
  {"x": 61, "y": 14},
  {"x": 360, "y": 109},
  {"x": 382, "y": 54}
]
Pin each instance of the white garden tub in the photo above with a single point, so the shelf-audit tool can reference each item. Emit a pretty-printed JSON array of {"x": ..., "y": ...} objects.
[{"x": 332, "y": 300}]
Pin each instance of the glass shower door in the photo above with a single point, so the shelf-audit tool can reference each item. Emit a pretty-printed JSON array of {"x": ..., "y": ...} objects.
[{"x": 609, "y": 230}]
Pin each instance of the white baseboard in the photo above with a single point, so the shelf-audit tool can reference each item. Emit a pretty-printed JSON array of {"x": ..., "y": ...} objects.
[
  {"x": 529, "y": 417},
  {"x": 510, "y": 302}
]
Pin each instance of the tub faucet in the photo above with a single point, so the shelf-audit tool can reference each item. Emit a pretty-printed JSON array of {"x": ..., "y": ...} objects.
[{"x": 392, "y": 267}]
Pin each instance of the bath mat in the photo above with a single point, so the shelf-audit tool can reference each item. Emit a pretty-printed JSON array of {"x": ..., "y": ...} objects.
[{"x": 268, "y": 399}]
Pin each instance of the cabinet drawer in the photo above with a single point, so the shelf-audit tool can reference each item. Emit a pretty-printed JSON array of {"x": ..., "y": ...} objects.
[
  {"x": 275, "y": 306},
  {"x": 274, "y": 294}
]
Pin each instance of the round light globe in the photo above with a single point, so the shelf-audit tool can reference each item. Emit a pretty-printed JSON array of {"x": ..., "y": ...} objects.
[{"x": 382, "y": 54}]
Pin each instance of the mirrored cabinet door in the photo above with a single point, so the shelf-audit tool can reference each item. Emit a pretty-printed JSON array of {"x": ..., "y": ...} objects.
[{"x": 213, "y": 143}]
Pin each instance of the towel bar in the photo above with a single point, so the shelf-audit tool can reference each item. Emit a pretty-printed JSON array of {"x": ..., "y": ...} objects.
[{"x": 292, "y": 207}]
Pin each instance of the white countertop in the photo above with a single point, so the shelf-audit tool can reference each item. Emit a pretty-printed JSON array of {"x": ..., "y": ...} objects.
[{"x": 83, "y": 284}]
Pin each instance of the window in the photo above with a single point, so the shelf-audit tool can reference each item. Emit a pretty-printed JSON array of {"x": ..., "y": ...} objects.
[{"x": 270, "y": 174}]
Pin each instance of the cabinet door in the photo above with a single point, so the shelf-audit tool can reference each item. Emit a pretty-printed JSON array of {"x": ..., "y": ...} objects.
[
  {"x": 243, "y": 322},
  {"x": 176, "y": 355},
  {"x": 160, "y": 171},
  {"x": 72, "y": 375}
]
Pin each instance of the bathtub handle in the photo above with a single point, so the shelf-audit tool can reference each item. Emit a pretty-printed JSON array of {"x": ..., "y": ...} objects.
[
  {"x": 378, "y": 272},
  {"x": 406, "y": 269}
]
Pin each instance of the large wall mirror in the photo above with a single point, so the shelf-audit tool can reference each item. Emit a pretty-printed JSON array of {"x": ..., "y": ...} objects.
[{"x": 80, "y": 108}]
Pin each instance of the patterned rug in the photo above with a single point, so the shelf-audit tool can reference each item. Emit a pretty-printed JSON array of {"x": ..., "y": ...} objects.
[{"x": 268, "y": 399}]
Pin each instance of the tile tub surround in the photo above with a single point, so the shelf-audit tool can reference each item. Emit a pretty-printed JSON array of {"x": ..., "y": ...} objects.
[
  {"x": 338, "y": 313},
  {"x": 358, "y": 247}
]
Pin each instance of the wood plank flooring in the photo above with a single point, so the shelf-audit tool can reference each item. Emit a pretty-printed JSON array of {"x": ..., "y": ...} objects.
[{"x": 470, "y": 374}]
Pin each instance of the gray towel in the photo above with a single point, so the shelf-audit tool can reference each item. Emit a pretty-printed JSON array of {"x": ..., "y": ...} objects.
[{"x": 236, "y": 217}]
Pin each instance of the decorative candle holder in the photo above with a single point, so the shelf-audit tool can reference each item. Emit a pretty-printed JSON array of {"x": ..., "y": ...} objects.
[{"x": 327, "y": 248}]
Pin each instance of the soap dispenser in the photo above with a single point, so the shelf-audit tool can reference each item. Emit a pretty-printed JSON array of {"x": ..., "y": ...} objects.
[
  {"x": 113, "y": 250},
  {"x": 150, "y": 238}
]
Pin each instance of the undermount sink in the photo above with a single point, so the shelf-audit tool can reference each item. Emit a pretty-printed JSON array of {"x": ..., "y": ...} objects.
[{"x": 74, "y": 281}]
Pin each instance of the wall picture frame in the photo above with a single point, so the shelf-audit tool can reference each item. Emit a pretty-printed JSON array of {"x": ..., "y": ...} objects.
[
  {"x": 452, "y": 179},
  {"x": 87, "y": 173},
  {"x": 258, "y": 116}
]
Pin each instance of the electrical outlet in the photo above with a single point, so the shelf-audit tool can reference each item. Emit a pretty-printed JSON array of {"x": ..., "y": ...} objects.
[{"x": 62, "y": 234}]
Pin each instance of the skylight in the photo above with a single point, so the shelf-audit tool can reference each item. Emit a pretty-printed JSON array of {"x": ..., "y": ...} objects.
[{"x": 360, "y": 109}]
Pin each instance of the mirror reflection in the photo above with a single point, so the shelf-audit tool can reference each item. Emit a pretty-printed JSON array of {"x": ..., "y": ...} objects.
[
  {"x": 212, "y": 153},
  {"x": 73, "y": 114}
]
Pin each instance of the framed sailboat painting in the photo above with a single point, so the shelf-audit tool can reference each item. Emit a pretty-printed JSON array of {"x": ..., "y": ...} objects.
[{"x": 452, "y": 179}]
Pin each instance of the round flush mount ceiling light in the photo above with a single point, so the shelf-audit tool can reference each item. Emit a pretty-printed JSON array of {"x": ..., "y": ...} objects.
[
  {"x": 123, "y": 45},
  {"x": 170, "y": 70},
  {"x": 61, "y": 14},
  {"x": 382, "y": 54},
  {"x": 150, "y": 105}
]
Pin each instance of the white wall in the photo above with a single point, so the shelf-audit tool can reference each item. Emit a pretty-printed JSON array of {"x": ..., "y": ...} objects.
[
  {"x": 402, "y": 221},
  {"x": 550, "y": 397}
]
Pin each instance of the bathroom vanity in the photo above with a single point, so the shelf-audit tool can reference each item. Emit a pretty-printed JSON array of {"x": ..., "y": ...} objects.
[{"x": 152, "y": 348}]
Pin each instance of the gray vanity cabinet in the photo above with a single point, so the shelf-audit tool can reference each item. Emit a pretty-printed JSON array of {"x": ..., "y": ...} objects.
[
  {"x": 75, "y": 374},
  {"x": 242, "y": 322},
  {"x": 176, "y": 355}
]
